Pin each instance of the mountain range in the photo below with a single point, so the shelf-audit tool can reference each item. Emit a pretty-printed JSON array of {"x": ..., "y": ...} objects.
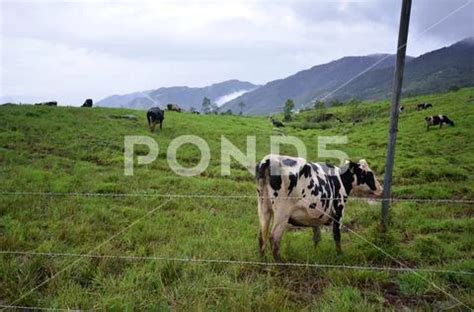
[
  {"x": 185, "y": 97},
  {"x": 362, "y": 77}
]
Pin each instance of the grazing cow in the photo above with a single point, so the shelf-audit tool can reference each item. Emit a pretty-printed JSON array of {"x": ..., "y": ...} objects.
[
  {"x": 155, "y": 115},
  {"x": 276, "y": 123},
  {"x": 437, "y": 120},
  {"x": 424, "y": 106},
  {"x": 173, "y": 107},
  {"x": 87, "y": 103},
  {"x": 294, "y": 191}
]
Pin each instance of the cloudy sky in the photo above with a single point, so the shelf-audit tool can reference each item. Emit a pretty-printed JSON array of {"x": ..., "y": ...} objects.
[{"x": 72, "y": 50}]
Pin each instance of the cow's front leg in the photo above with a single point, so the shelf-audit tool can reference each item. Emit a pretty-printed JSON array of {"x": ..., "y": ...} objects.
[
  {"x": 161, "y": 125},
  {"x": 280, "y": 221},
  {"x": 336, "y": 228},
  {"x": 316, "y": 235}
]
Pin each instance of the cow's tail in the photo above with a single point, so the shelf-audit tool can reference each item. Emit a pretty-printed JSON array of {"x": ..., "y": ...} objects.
[{"x": 262, "y": 175}]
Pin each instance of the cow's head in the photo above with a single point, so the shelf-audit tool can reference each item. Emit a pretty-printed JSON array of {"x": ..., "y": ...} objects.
[{"x": 364, "y": 178}]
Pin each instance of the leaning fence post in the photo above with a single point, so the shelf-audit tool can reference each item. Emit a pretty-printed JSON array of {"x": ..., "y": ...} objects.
[{"x": 397, "y": 88}]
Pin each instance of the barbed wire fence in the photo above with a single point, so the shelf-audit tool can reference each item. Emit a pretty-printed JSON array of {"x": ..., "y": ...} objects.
[
  {"x": 233, "y": 196},
  {"x": 403, "y": 268}
]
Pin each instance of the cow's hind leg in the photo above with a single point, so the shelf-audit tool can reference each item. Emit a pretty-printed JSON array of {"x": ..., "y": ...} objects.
[
  {"x": 280, "y": 221},
  {"x": 264, "y": 216},
  {"x": 316, "y": 235}
]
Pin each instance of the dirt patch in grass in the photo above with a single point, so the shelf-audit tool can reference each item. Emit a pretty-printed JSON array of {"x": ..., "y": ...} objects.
[
  {"x": 395, "y": 299},
  {"x": 302, "y": 284}
]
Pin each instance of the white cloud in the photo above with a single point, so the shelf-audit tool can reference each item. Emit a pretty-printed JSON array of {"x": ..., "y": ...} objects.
[
  {"x": 71, "y": 50},
  {"x": 228, "y": 97}
]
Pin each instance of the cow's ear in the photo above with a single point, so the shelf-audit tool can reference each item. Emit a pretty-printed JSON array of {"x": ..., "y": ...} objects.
[{"x": 353, "y": 165}]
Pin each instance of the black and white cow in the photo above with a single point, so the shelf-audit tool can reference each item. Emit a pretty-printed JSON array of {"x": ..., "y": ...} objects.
[
  {"x": 154, "y": 116},
  {"x": 423, "y": 106},
  {"x": 294, "y": 191},
  {"x": 437, "y": 120},
  {"x": 173, "y": 107}
]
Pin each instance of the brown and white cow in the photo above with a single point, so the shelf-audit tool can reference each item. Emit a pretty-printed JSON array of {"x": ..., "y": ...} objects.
[{"x": 294, "y": 191}]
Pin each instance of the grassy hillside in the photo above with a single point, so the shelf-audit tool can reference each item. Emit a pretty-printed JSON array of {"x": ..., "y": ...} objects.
[{"x": 61, "y": 150}]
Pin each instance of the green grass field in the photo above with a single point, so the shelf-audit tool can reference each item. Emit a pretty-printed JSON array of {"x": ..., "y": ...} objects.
[{"x": 77, "y": 150}]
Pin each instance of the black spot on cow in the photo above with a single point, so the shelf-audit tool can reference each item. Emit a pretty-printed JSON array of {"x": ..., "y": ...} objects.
[
  {"x": 305, "y": 171},
  {"x": 275, "y": 182},
  {"x": 370, "y": 180},
  {"x": 275, "y": 194},
  {"x": 289, "y": 162},
  {"x": 260, "y": 169},
  {"x": 312, "y": 206},
  {"x": 347, "y": 176},
  {"x": 315, "y": 168},
  {"x": 311, "y": 184},
  {"x": 293, "y": 180}
]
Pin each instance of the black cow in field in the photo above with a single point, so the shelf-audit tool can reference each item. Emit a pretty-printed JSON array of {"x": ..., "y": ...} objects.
[
  {"x": 154, "y": 116},
  {"x": 276, "y": 123},
  {"x": 438, "y": 120},
  {"x": 88, "y": 103},
  {"x": 424, "y": 106},
  {"x": 294, "y": 191}
]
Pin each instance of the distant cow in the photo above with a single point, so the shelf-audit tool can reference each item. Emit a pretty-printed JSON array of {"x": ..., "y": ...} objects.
[
  {"x": 173, "y": 107},
  {"x": 276, "y": 123},
  {"x": 437, "y": 120},
  {"x": 302, "y": 193},
  {"x": 154, "y": 116},
  {"x": 88, "y": 103},
  {"x": 423, "y": 106}
]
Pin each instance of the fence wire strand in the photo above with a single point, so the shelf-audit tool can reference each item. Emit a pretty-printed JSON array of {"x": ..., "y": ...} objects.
[
  {"x": 158, "y": 195},
  {"x": 237, "y": 262}
]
